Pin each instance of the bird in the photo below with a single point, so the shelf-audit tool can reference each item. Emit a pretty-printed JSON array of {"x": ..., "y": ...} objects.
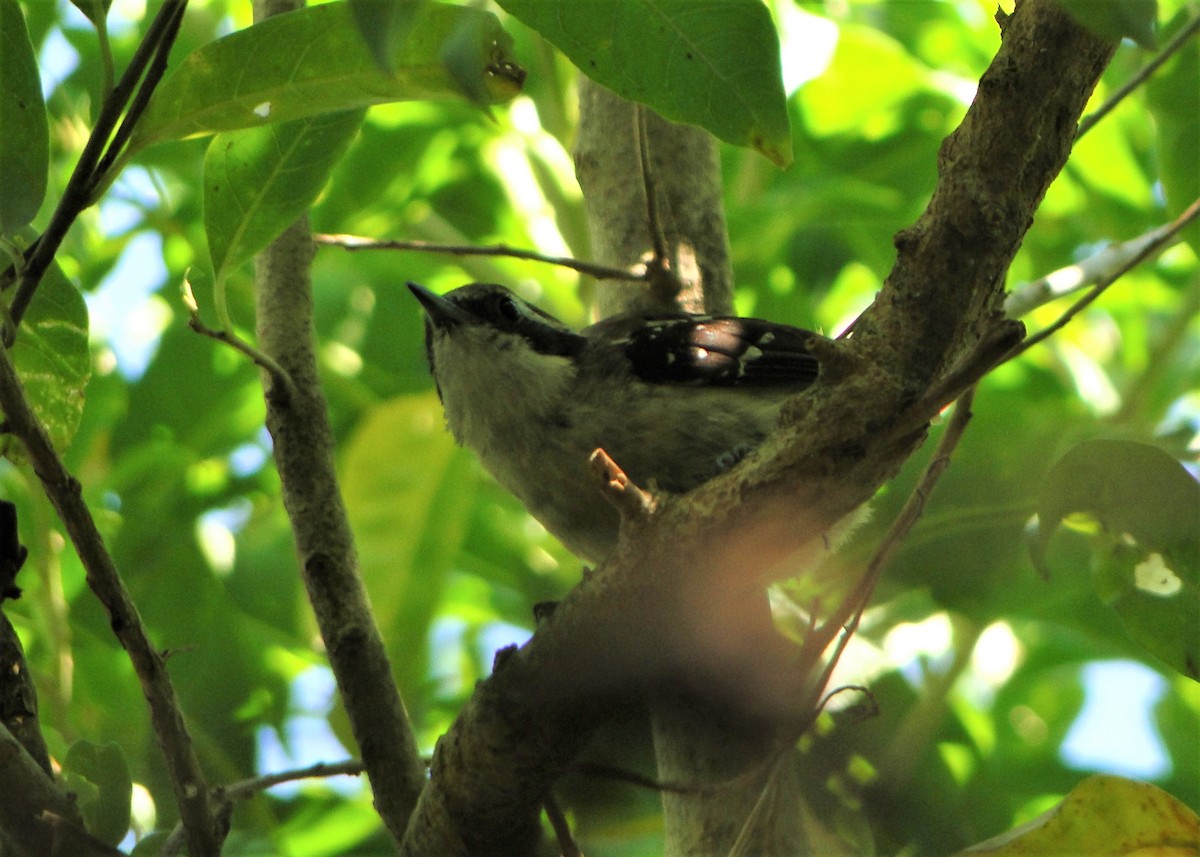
[{"x": 673, "y": 398}]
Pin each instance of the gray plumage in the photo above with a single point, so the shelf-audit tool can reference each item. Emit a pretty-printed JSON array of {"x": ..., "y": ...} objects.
[{"x": 673, "y": 399}]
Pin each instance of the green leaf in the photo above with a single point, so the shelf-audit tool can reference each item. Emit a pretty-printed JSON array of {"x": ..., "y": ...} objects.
[
  {"x": 1117, "y": 19},
  {"x": 1173, "y": 95},
  {"x": 52, "y": 358},
  {"x": 1158, "y": 602},
  {"x": 473, "y": 59},
  {"x": 384, "y": 25},
  {"x": 93, "y": 9},
  {"x": 401, "y": 457},
  {"x": 712, "y": 63},
  {"x": 105, "y": 805},
  {"x": 25, "y": 139},
  {"x": 314, "y": 61},
  {"x": 259, "y": 180},
  {"x": 1146, "y": 553}
]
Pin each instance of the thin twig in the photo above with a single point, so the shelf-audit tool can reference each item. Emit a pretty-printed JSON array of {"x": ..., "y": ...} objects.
[
  {"x": 105, "y": 172},
  {"x": 661, "y": 271},
  {"x": 567, "y": 846},
  {"x": 77, "y": 195},
  {"x": 1164, "y": 238},
  {"x": 1072, "y": 278},
  {"x": 1177, "y": 41},
  {"x": 284, "y": 385},
  {"x": 107, "y": 67},
  {"x": 600, "y": 272},
  {"x": 846, "y": 618},
  {"x": 245, "y": 789},
  {"x": 658, "y": 240}
]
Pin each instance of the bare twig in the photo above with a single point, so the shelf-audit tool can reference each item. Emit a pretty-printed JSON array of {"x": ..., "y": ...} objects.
[
  {"x": 1169, "y": 49},
  {"x": 661, "y": 271},
  {"x": 245, "y": 789},
  {"x": 226, "y": 796},
  {"x": 654, "y": 227},
  {"x": 1163, "y": 238},
  {"x": 106, "y": 170},
  {"x": 631, "y": 501},
  {"x": 88, "y": 175},
  {"x": 1072, "y": 278},
  {"x": 567, "y": 846},
  {"x": 845, "y": 619},
  {"x": 183, "y": 768},
  {"x": 284, "y": 385},
  {"x": 600, "y": 272}
]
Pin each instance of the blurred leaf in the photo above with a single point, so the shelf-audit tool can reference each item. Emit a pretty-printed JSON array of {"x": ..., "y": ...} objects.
[
  {"x": 1148, "y": 556},
  {"x": 478, "y": 63},
  {"x": 1117, "y": 19},
  {"x": 1104, "y": 816},
  {"x": 401, "y": 457},
  {"x": 1131, "y": 488},
  {"x": 93, "y": 9},
  {"x": 105, "y": 806},
  {"x": 384, "y": 25},
  {"x": 712, "y": 63},
  {"x": 25, "y": 140},
  {"x": 308, "y": 62},
  {"x": 259, "y": 180},
  {"x": 869, "y": 80},
  {"x": 1159, "y": 604},
  {"x": 52, "y": 358},
  {"x": 1173, "y": 95}
]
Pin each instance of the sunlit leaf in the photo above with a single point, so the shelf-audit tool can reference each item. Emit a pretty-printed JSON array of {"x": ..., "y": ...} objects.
[
  {"x": 384, "y": 25},
  {"x": 259, "y": 180},
  {"x": 52, "y": 358},
  {"x": 25, "y": 138},
  {"x": 309, "y": 62},
  {"x": 1104, "y": 816},
  {"x": 712, "y": 63}
]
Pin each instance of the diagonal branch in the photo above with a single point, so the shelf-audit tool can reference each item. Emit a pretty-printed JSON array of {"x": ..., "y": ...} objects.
[{"x": 187, "y": 778}]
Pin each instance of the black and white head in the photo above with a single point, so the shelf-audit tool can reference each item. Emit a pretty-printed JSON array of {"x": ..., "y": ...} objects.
[{"x": 482, "y": 340}]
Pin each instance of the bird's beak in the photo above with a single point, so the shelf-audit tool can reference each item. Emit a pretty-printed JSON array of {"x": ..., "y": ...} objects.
[{"x": 441, "y": 312}]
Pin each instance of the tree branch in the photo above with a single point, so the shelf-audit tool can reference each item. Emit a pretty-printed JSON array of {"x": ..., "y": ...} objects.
[
  {"x": 303, "y": 449},
  {"x": 183, "y": 768}
]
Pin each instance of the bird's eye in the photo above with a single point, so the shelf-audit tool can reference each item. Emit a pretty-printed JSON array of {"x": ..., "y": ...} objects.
[{"x": 508, "y": 310}]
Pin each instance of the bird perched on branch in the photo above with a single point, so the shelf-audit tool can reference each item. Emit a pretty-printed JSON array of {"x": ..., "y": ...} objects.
[{"x": 674, "y": 399}]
